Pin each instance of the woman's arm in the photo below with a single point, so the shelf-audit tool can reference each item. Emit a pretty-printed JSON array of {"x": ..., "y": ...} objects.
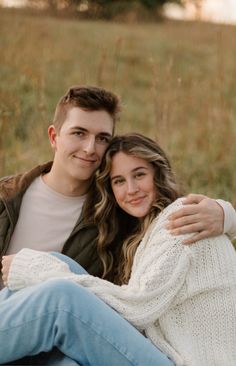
[
  {"x": 159, "y": 272},
  {"x": 30, "y": 267}
]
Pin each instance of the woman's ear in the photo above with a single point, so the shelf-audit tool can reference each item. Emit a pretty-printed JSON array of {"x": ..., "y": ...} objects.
[{"x": 52, "y": 134}]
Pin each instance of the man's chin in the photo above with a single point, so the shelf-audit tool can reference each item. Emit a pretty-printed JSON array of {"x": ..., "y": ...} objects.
[{"x": 83, "y": 177}]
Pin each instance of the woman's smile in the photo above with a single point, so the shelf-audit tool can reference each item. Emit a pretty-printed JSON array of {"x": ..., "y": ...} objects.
[{"x": 132, "y": 181}]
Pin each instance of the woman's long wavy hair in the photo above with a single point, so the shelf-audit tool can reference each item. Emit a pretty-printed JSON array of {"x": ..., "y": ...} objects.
[{"x": 114, "y": 225}]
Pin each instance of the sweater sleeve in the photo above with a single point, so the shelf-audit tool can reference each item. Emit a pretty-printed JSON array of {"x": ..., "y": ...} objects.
[
  {"x": 159, "y": 271},
  {"x": 229, "y": 218},
  {"x": 31, "y": 267}
]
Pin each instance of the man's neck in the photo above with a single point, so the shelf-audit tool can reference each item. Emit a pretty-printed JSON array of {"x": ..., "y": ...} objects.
[{"x": 67, "y": 187}]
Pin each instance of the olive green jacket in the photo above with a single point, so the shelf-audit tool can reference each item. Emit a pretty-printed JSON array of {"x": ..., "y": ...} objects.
[{"x": 81, "y": 244}]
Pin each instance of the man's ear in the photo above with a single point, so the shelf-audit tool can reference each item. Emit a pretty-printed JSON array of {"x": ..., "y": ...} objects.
[{"x": 52, "y": 134}]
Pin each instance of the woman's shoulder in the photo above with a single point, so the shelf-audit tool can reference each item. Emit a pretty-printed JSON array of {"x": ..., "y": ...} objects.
[
  {"x": 158, "y": 225},
  {"x": 158, "y": 231},
  {"x": 171, "y": 208},
  {"x": 178, "y": 203},
  {"x": 159, "y": 241}
]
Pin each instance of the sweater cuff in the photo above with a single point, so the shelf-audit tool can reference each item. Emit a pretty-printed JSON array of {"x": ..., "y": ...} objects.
[
  {"x": 31, "y": 267},
  {"x": 229, "y": 218},
  {"x": 18, "y": 276}
]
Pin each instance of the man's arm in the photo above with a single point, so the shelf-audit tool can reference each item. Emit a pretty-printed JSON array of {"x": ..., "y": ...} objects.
[
  {"x": 229, "y": 218},
  {"x": 203, "y": 216}
]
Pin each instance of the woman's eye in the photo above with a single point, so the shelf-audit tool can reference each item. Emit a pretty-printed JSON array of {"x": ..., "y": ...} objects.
[
  {"x": 118, "y": 181},
  {"x": 139, "y": 175}
]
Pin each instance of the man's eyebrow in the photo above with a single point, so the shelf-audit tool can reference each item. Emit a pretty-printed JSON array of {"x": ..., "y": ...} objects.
[
  {"x": 105, "y": 134},
  {"x": 78, "y": 128}
]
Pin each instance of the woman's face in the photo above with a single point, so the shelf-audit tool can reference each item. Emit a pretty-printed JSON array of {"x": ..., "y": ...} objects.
[{"x": 132, "y": 181}]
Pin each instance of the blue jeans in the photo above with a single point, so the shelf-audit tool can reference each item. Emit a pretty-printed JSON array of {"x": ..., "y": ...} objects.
[{"x": 59, "y": 313}]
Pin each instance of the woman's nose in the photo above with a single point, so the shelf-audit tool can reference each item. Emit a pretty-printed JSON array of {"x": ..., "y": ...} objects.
[{"x": 132, "y": 187}]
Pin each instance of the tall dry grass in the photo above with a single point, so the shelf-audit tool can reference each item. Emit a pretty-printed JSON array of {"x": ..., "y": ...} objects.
[{"x": 177, "y": 81}]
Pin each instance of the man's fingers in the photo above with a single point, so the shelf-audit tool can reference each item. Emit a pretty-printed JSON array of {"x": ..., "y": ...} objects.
[
  {"x": 187, "y": 229},
  {"x": 182, "y": 221},
  {"x": 183, "y": 212},
  {"x": 196, "y": 237},
  {"x": 6, "y": 263},
  {"x": 4, "y": 279},
  {"x": 4, "y": 276},
  {"x": 193, "y": 198},
  {"x": 3, "y": 265},
  {"x": 201, "y": 216}
]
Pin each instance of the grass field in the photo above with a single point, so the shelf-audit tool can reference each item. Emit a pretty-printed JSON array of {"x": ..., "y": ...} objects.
[{"x": 177, "y": 81}]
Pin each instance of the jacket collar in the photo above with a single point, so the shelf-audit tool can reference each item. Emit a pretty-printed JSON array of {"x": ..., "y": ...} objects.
[
  {"x": 11, "y": 186},
  {"x": 12, "y": 189}
]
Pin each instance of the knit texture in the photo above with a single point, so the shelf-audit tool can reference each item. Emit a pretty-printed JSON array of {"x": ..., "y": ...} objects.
[{"x": 182, "y": 297}]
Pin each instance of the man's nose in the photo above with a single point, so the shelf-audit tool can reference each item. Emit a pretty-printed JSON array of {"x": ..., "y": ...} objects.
[{"x": 89, "y": 145}]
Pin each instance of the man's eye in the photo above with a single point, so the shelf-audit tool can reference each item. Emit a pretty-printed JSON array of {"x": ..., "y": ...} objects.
[
  {"x": 79, "y": 133},
  {"x": 103, "y": 139}
]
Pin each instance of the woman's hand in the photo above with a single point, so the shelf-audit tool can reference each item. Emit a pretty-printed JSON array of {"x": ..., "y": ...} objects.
[{"x": 6, "y": 264}]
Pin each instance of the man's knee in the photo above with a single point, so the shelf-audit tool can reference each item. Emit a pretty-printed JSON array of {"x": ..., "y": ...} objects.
[{"x": 56, "y": 291}]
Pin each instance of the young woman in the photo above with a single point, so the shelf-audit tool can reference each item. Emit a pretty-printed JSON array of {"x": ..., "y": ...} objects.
[{"x": 177, "y": 300}]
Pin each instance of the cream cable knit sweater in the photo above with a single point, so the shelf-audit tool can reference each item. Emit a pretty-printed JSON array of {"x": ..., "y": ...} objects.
[{"x": 183, "y": 297}]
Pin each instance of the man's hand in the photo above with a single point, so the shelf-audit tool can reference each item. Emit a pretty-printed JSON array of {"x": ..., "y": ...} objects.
[
  {"x": 202, "y": 216},
  {"x": 6, "y": 264}
]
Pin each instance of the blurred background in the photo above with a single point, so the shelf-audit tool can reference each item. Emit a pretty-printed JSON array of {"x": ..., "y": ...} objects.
[{"x": 172, "y": 63}]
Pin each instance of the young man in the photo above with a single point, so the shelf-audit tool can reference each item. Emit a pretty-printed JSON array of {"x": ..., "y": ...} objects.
[{"x": 44, "y": 208}]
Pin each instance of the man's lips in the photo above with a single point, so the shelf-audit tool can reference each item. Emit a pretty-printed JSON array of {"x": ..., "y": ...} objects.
[{"x": 86, "y": 160}]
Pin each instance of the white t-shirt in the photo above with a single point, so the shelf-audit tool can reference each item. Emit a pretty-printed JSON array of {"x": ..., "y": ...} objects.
[{"x": 46, "y": 219}]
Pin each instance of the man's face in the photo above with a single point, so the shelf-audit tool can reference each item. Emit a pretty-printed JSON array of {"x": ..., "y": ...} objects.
[{"x": 81, "y": 143}]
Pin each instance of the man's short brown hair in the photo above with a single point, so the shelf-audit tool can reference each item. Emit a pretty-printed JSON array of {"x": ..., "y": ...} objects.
[{"x": 88, "y": 98}]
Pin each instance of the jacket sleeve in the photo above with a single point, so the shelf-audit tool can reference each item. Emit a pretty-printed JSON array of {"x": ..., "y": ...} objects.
[
  {"x": 5, "y": 226},
  {"x": 159, "y": 271}
]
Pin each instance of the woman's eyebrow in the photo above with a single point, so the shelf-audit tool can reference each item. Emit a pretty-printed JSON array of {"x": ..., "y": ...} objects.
[{"x": 133, "y": 170}]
